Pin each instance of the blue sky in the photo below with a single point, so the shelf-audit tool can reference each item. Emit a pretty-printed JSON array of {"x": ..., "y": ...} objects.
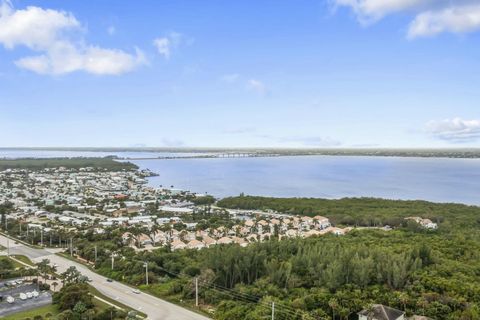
[{"x": 334, "y": 73}]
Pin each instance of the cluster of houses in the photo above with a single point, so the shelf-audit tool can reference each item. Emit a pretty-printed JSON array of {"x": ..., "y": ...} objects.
[
  {"x": 88, "y": 199},
  {"x": 247, "y": 231},
  {"x": 79, "y": 198},
  {"x": 425, "y": 223}
]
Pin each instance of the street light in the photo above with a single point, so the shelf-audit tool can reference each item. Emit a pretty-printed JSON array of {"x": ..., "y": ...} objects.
[{"x": 145, "y": 264}]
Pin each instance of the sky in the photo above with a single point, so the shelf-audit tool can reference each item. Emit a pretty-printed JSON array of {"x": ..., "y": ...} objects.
[{"x": 215, "y": 73}]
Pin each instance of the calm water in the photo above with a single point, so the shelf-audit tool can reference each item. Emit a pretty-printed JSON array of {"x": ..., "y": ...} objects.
[
  {"x": 434, "y": 179},
  {"x": 439, "y": 180}
]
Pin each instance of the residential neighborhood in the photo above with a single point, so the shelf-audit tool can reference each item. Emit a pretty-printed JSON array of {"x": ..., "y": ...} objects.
[
  {"x": 70, "y": 210},
  {"x": 71, "y": 201}
]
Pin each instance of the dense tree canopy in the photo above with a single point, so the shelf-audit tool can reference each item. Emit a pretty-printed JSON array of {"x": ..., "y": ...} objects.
[{"x": 432, "y": 273}]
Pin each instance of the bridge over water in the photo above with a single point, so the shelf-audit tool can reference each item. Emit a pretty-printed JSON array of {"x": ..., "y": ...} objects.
[{"x": 208, "y": 156}]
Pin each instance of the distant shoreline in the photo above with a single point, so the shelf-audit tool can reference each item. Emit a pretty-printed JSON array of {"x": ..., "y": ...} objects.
[{"x": 465, "y": 153}]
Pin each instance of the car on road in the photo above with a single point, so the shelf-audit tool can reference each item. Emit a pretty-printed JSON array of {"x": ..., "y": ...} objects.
[
  {"x": 136, "y": 291},
  {"x": 109, "y": 280}
]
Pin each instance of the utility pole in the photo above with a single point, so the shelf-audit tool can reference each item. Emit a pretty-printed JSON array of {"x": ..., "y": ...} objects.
[
  {"x": 8, "y": 247},
  {"x": 95, "y": 254},
  {"x": 145, "y": 264},
  {"x": 113, "y": 260},
  {"x": 41, "y": 237},
  {"x": 71, "y": 247},
  {"x": 196, "y": 291},
  {"x": 273, "y": 310}
]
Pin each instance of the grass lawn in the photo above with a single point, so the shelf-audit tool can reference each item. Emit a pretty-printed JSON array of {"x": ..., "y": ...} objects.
[
  {"x": 17, "y": 264},
  {"x": 162, "y": 290},
  {"x": 101, "y": 304},
  {"x": 42, "y": 311},
  {"x": 24, "y": 259}
]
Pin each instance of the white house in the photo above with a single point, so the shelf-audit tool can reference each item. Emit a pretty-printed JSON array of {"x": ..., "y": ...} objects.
[{"x": 381, "y": 312}]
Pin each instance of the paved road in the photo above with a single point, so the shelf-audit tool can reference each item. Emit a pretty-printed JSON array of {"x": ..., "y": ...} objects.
[{"x": 155, "y": 308}]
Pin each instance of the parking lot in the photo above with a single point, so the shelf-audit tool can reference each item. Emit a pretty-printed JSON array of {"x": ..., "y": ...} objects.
[{"x": 44, "y": 298}]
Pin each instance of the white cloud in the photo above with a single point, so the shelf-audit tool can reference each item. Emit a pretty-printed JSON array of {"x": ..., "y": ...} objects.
[
  {"x": 454, "y": 130},
  {"x": 33, "y": 27},
  {"x": 459, "y": 19},
  {"x": 372, "y": 10},
  {"x": 257, "y": 86},
  {"x": 431, "y": 17},
  {"x": 50, "y": 32},
  {"x": 64, "y": 58},
  {"x": 165, "y": 45}
]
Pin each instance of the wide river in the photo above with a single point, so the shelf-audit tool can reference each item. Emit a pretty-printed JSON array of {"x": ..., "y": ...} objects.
[{"x": 433, "y": 179}]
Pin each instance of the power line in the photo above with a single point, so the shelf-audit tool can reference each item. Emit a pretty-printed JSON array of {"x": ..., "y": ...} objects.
[{"x": 279, "y": 306}]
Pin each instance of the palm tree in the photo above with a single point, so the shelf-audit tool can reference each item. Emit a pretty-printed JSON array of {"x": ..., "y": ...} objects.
[
  {"x": 71, "y": 275},
  {"x": 54, "y": 284},
  {"x": 333, "y": 304},
  {"x": 153, "y": 232},
  {"x": 183, "y": 233},
  {"x": 90, "y": 313},
  {"x": 44, "y": 267},
  {"x": 403, "y": 297},
  {"x": 131, "y": 238},
  {"x": 136, "y": 232},
  {"x": 370, "y": 311}
]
